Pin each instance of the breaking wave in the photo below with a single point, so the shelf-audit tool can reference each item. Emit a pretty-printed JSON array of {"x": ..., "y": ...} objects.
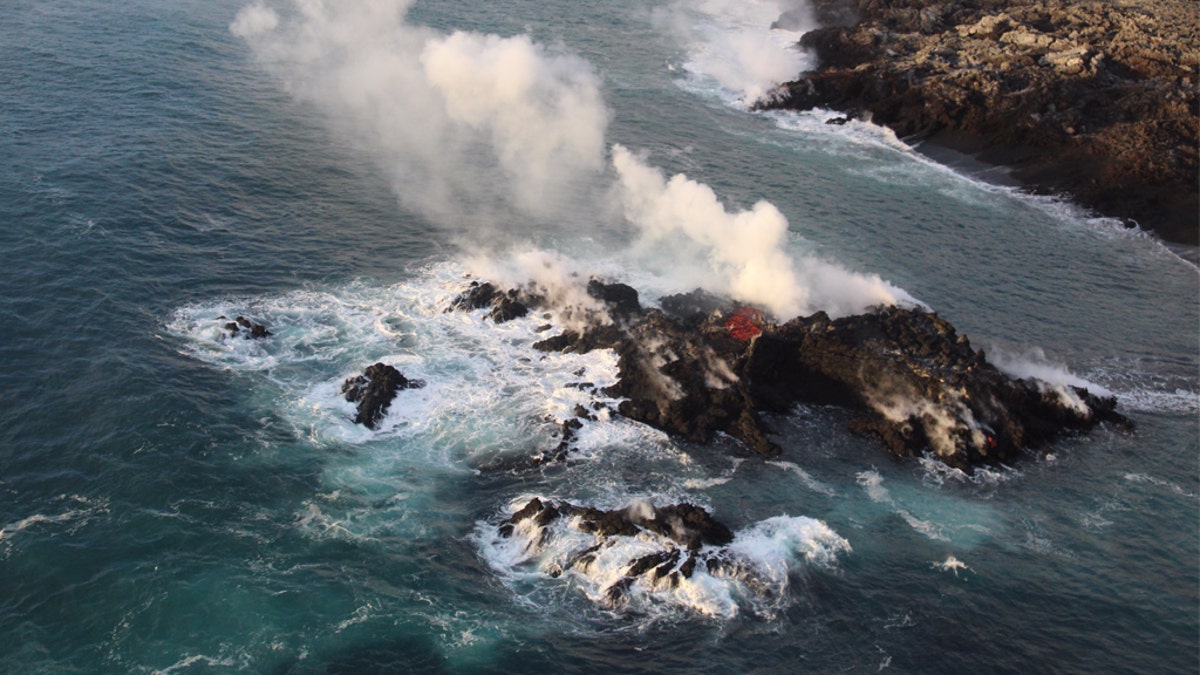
[{"x": 750, "y": 574}]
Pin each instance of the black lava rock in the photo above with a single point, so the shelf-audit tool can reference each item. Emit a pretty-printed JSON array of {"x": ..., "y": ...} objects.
[{"x": 374, "y": 390}]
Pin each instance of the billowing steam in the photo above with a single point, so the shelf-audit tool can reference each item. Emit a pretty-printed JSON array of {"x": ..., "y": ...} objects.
[
  {"x": 746, "y": 249},
  {"x": 470, "y": 127},
  {"x": 487, "y": 135}
]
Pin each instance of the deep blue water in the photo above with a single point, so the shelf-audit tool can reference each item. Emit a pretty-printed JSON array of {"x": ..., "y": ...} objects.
[{"x": 174, "y": 502}]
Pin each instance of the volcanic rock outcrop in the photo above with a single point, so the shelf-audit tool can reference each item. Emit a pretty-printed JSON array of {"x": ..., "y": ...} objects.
[
  {"x": 702, "y": 365},
  {"x": 245, "y": 328},
  {"x": 685, "y": 529},
  {"x": 1095, "y": 98},
  {"x": 374, "y": 390}
]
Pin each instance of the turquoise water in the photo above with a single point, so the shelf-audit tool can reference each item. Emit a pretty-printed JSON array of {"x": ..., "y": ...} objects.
[{"x": 174, "y": 502}]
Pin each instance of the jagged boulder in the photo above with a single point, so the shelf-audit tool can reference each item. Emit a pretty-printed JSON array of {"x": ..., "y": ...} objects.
[
  {"x": 621, "y": 299},
  {"x": 681, "y": 380},
  {"x": 374, "y": 391},
  {"x": 505, "y": 305},
  {"x": 245, "y": 328},
  {"x": 694, "y": 307}
]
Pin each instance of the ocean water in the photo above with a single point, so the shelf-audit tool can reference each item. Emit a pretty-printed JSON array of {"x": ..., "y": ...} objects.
[{"x": 175, "y": 501}]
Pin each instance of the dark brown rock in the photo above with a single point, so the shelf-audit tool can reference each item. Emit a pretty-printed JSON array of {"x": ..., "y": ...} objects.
[
  {"x": 1094, "y": 99},
  {"x": 703, "y": 538},
  {"x": 505, "y": 305},
  {"x": 621, "y": 299}
]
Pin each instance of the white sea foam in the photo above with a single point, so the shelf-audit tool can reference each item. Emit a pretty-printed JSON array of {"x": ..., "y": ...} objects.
[
  {"x": 71, "y": 513},
  {"x": 938, "y": 473},
  {"x": 484, "y": 383},
  {"x": 1174, "y": 488},
  {"x": 732, "y": 44},
  {"x": 703, "y": 483},
  {"x": 952, "y": 564},
  {"x": 934, "y": 515},
  {"x": 856, "y": 137},
  {"x": 192, "y": 661},
  {"x": 806, "y": 478},
  {"x": 751, "y": 574},
  {"x": 777, "y": 543},
  {"x": 1148, "y": 387}
]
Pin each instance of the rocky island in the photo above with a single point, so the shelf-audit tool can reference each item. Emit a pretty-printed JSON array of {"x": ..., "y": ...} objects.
[
  {"x": 1095, "y": 99},
  {"x": 702, "y": 364}
]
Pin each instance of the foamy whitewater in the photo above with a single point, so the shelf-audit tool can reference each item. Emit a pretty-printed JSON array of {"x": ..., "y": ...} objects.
[{"x": 176, "y": 499}]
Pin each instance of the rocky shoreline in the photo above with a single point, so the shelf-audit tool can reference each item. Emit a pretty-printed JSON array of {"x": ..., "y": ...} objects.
[{"x": 1094, "y": 99}]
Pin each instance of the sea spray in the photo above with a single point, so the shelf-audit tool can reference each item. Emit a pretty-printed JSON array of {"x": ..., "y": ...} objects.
[
  {"x": 484, "y": 395},
  {"x": 633, "y": 559}
]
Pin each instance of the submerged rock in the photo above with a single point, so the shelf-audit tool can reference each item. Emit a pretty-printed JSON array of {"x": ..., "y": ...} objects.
[{"x": 374, "y": 390}]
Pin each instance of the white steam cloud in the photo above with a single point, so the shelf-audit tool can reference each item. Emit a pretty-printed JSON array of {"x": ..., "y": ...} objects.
[
  {"x": 746, "y": 250},
  {"x": 489, "y": 135},
  {"x": 543, "y": 114},
  {"x": 1052, "y": 378},
  {"x": 470, "y": 127}
]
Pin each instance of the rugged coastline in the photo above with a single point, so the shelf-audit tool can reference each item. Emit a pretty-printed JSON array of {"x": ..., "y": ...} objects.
[
  {"x": 1096, "y": 99},
  {"x": 703, "y": 365}
]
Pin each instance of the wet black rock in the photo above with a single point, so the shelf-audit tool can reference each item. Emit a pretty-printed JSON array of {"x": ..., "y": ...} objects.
[
  {"x": 685, "y": 524},
  {"x": 245, "y": 328},
  {"x": 695, "y": 306},
  {"x": 505, "y": 305},
  {"x": 919, "y": 384},
  {"x": 622, "y": 299},
  {"x": 374, "y": 391}
]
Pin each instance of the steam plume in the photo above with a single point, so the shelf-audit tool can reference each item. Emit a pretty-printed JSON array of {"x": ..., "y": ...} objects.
[
  {"x": 489, "y": 135},
  {"x": 745, "y": 249},
  {"x": 470, "y": 127}
]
